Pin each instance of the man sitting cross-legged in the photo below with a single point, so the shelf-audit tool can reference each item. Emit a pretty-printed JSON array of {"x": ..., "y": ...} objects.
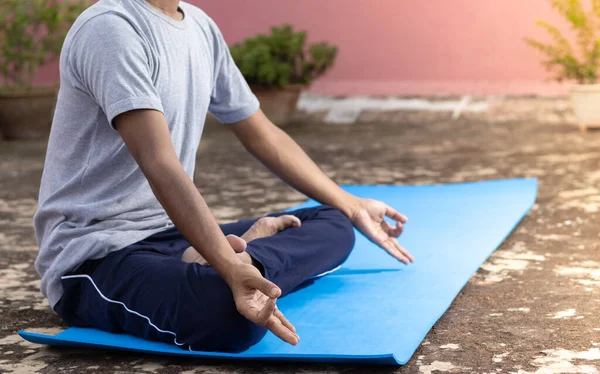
[{"x": 118, "y": 209}]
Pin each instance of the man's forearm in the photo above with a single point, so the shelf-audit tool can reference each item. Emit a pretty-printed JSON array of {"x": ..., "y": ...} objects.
[
  {"x": 282, "y": 155},
  {"x": 186, "y": 207},
  {"x": 147, "y": 137}
]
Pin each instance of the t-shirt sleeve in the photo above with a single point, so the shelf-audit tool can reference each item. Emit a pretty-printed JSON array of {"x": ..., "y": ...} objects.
[
  {"x": 111, "y": 62},
  {"x": 231, "y": 99}
]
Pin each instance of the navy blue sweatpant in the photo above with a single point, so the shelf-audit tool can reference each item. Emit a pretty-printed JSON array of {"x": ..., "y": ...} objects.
[{"x": 147, "y": 290}]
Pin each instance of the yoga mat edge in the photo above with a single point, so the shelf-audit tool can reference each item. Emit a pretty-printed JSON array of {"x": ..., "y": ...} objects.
[{"x": 55, "y": 340}]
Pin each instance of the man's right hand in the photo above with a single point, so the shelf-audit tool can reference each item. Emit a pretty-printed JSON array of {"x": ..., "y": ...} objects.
[{"x": 255, "y": 299}]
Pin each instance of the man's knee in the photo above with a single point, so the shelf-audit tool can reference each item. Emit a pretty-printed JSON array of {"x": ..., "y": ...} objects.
[
  {"x": 212, "y": 322},
  {"x": 336, "y": 216},
  {"x": 340, "y": 228},
  {"x": 240, "y": 335},
  {"x": 232, "y": 335}
]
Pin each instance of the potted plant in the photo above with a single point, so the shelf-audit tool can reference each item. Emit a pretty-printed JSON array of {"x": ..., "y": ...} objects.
[
  {"x": 577, "y": 63},
  {"x": 31, "y": 36},
  {"x": 279, "y": 66}
]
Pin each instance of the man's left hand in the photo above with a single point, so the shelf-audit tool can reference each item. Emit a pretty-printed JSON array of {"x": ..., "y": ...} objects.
[{"x": 369, "y": 218}]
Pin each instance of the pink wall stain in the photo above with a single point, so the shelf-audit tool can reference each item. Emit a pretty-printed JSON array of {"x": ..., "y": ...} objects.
[{"x": 399, "y": 47}]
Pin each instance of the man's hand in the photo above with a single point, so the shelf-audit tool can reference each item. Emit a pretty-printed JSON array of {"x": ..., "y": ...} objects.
[
  {"x": 255, "y": 299},
  {"x": 369, "y": 218}
]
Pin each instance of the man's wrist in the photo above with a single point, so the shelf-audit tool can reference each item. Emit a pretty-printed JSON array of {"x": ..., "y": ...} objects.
[
  {"x": 351, "y": 204},
  {"x": 228, "y": 269}
]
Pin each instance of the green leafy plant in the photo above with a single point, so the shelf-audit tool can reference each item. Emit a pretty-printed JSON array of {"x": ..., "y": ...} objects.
[
  {"x": 580, "y": 62},
  {"x": 282, "y": 58},
  {"x": 31, "y": 35}
]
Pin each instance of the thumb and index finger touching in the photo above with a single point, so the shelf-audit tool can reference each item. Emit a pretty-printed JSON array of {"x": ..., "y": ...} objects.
[{"x": 391, "y": 245}]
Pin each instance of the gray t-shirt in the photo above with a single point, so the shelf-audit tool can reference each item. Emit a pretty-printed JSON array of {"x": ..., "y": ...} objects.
[{"x": 122, "y": 55}]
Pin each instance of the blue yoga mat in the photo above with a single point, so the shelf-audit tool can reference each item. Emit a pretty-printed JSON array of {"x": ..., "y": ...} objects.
[{"x": 374, "y": 309}]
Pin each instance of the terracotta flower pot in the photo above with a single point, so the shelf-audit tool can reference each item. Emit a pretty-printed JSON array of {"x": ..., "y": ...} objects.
[
  {"x": 27, "y": 114},
  {"x": 586, "y": 104},
  {"x": 279, "y": 104}
]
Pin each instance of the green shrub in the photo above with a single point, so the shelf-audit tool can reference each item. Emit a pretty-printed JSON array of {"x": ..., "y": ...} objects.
[
  {"x": 31, "y": 35},
  {"x": 568, "y": 62},
  {"x": 282, "y": 58}
]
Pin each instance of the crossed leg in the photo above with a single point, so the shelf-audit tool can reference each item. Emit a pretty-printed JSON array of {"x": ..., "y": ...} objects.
[
  {"x": 260, "y": 228},
  {"x": 151, "y": 293}
]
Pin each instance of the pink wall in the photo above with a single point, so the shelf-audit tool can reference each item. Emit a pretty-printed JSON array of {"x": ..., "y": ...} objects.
[{"x": 402, "y": 47}]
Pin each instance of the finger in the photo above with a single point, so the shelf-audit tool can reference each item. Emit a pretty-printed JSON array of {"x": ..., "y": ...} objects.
[
  {"x": 264, "y": 286},
  {"x": 400, "y": 227},
  {"x": 394, "y": 252},
  {"x": 395, "y": 215},
  {"x": 404, "y": 251},
  {"x": 282, "y": 332},
  {"x": 267, "y": 312},
  {"x": 393, "y": 231},
  {"x": 284, "y": 320}
]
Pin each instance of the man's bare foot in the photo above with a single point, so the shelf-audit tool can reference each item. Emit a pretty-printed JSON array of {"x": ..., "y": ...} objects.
[
  {"x": 262, "y": 228},
  {"x": 268, "y": 226},
  {"x": 238, "y": 244}
]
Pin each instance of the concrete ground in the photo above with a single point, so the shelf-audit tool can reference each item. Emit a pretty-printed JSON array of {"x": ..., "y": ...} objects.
[{"x": 532, "y": 308}]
